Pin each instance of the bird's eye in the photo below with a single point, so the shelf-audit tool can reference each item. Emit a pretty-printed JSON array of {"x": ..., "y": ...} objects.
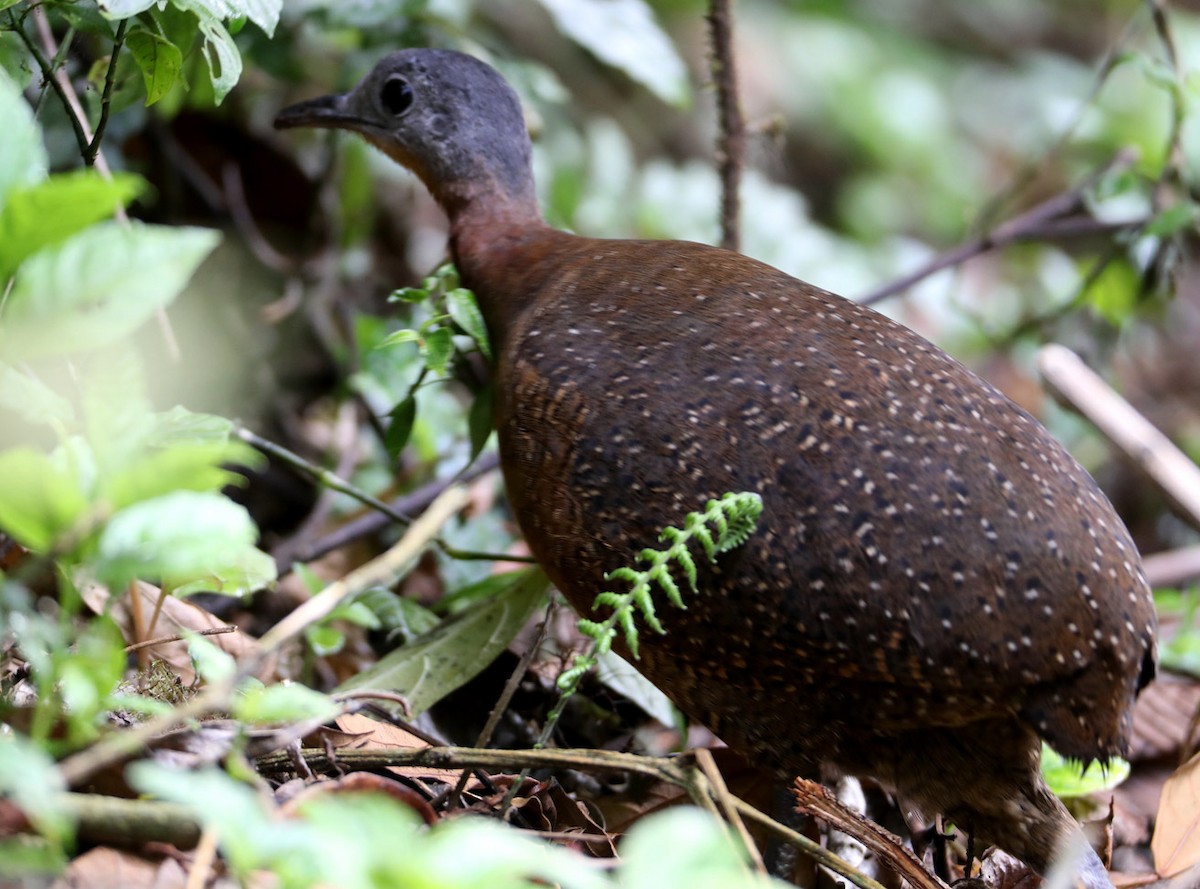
[{"x": 396, "y": 95}]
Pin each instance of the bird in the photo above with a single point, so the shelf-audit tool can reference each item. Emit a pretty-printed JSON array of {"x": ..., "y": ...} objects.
[{"x": 934, "y": 585}]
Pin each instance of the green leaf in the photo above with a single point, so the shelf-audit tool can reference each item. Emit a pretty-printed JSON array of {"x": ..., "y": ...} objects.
[
  {"x": 480, "y": 419},
  {"x": 56, "y": 208},
  {"x": 98, "y": 286},
  {"x": 1114, "y": 292},
  {"x": 1067, "y": 779},
  {"x": 22, "y": 157},
  {"x": 459, "y": 648},
  {"x": 399, "y": 338},
  {"x": 159, "y": 60},
  {"x": 465, "y": 312},
  {"x": 30, "y": 780},
  {"x": 187, "y": 539},
  {"x": 409, "y": 295},
  {"x": 324, "y": 640},
  {"x": 212, "y": 663},
  {"x": 438, "y": 347},
  {"x": 220, "y": 52},
  {"x": 42, "y": 498},
  {"x": 403, "y": 415},
  {"x": 283, "y": 702},
  {"x": 1173, "y": 220},
  {"x": 31, "y": 399},
  {"x": 91, "y": 674},
  {"x": 181, "y": 467},
  {"x": 123, "y": 9},
  {"x": 623, "y": 33}
]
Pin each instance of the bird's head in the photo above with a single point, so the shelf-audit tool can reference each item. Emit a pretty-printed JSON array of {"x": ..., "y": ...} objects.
[{"x": 446, "y": 116}]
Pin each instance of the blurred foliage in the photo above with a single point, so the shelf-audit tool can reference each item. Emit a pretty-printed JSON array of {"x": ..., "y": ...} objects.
[{"x": 883, "y": 134}]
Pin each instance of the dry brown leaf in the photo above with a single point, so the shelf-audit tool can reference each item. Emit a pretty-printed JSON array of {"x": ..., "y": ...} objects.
[
  {"x": 1176, "y": 843},
  {"x": 1163, "y": 717},
  {"x": 176, "y": 616},
  {"x": 107, "y": 868},
  {"x": 375, "y": 735}
]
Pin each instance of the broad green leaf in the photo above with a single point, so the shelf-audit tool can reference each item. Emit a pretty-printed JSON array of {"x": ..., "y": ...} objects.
[
  {"x": 98, "y": 286},
  {"x": 1173, "y": 220},
  {"x": 465, "y": 312},
  {"x": 402, "y": 416},
  {"x": 181, "y": 426},
  {"x": 324, "y": 640},
  {"x": 186, "y": 467},
  {"x": 430, "y": 667},
  {"x": 189, "y": 540},
  {"x": 480, "y": 420},
  {"x": 91, "y": 674},
  {"x": 400, "y": 337},
  {"x": 31, "y": 399},
  {"x": 623, "y": 34},
  {"x": 42, "y": 499},
  {"x": 213, "y": 664},
  {"x": 159, "y": 59},
  {"x": 283, "y": 702},
  {"x": 30, "y": 780},
  {"x": 220, "y": 52},
  {"x": 1067, "y": 779},
  {"x": 52, "y": 210},
  {"x": 239, "y": 574},
  {"x": 123, "y": 9},
  {"x": 22, "y": 156},
  {"x": 1114, "y": 292},
  {"x": 438, "y": 347}
]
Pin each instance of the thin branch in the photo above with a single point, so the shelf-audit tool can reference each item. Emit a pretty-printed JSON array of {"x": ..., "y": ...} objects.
[
  {"x": 93, "y": 148},
  {"x": 732, "y": 141},
  {"x": 1056, "y": 216},
  {"x": 671, "y": 769},
  {"x": 1170, "y": 468},
  {"x": 54, "y": 83},
  {"x": 163, "y": 640}
]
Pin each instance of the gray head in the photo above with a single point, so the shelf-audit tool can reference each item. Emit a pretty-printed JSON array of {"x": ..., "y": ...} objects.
[{"x": 446, "y": 116}]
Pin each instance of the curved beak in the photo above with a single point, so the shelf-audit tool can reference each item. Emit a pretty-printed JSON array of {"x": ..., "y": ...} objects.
[{"x": 330, "y": 112}]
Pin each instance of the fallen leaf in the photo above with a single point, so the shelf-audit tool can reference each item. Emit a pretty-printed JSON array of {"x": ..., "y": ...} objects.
[{"x": 1176, "y": 843}]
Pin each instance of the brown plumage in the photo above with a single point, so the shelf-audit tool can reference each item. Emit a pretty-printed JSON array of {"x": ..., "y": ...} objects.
[{"x": 934, "y": 583}]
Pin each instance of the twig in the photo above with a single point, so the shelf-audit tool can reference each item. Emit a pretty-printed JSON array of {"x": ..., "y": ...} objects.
[
  {"x": 1177, "y": 567},
  {"x": 732, "y": 141},
  {"x": 672, "y": 769},
  {"x": 239, "y": 211},
  {"x": 1051, "y": 218},
  {"x": 815, "y": 799},
  {"x": 379, "y": 571},
  {"x": 206, "y": 855},
  {"x": 506, "y": 696},
  {"x": 163, "y": 640},
  {"x": 1080, "y": 386},
  {"x": 52, "y": 81},
  {"x": 812, "y": 849},
  {"x": 375, "y": 694},
  {"x": 93, "y": 147},
  {"x": 373, "y": 522},
  {"x": 108, "y": 819},
  {"x": 725, "y": 800},
  {"x": 335, "y": 482}
]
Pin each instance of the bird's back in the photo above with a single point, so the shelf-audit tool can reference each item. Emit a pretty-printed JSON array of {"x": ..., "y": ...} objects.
[{"x": 927, "y": 554}]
